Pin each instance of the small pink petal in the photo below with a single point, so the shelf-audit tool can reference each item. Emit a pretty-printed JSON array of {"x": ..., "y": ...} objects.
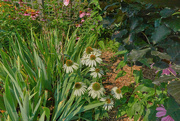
[
  {"x": 161, "y": 109},
  {"x": 172, "y": 71},
  {"x": 160, "y": 114},
  {"x": 167, "y": 118}
]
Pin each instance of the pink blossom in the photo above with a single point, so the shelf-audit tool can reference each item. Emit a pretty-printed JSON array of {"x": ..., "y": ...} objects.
[
  {"x": 82, "y": 20},
  {"x": 77, "y": 38},
  {"x": 162, "y": 112},
  {"x": 82, "y": 14},
  {"x": 88, "y": 14},
  {"x": 66, "y": 2},
  {"x": 78, "y": 25},
  {"x": 168, "y": 70},
  {"x": 26, "y": 13}
]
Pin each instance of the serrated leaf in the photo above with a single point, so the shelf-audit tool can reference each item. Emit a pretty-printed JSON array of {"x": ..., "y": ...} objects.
[
  {"x": 174, "y": 90},
  {"x": 174, "y": 52},
  {"x": 136, "y": 55},
  {"x": 163, "y": 79},
  {"x": 160, "y": 33},
  {"x": 161, "y": 55}
]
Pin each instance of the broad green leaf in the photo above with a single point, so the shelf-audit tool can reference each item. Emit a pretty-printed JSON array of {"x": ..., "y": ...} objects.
[
  {"x": 166, "y": 12},
  {"x": 136, "y": 55},
  {"x": 101, "y": 44},
  {"x": 161, "y": 55},
  {"x": 174, "y": 90},
  {"x": 160, "y": 33},
  {"x": 164, "y": 78}
]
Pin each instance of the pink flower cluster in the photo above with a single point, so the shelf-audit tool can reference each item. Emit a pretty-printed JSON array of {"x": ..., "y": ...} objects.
[
  {"x": 82, "y": 14},
  {"x": 166, "y": 71},
  {"x": 162, "y": 112}
]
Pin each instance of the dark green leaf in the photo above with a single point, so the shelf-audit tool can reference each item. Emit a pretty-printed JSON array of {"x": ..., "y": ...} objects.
[
  {"x": 165, "y": 78},
  {"x": 166, "y": 12},
  {"x": 174, "y": 90},
  {"x": 160, "y": 33},
  {"x": 161, "y": 55},
  {"x": 136, "y": 55}
]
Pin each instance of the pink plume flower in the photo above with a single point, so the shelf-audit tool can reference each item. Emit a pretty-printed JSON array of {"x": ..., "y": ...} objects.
[
  {"x": 162, "y": 112},
  {"x": 66, "y": 2}
]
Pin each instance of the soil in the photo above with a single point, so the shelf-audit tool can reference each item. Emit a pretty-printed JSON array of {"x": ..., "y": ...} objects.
[{"x": 111, "y": 62}]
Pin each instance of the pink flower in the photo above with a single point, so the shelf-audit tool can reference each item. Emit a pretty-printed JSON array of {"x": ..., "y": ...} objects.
[
  {"x": 77, "y": 38},
  {"x": 66, "y": 2},
  {"x": 82, "y": 20},
  {"x": 26, "y": 13},
  {"x": 78, "y": 25},
  {"x": 168, "y": 70},
  {"x": 82, "y": 14},
  {"x": 88, "y": 14},
  {"x": 162, "y": 112}
]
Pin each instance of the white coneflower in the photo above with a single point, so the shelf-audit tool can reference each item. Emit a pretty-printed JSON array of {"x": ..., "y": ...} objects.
[
  {"x": 69, "y": 66},
  {"x": 89, "y": 50},
  {"x": 92, "y": 59},
  {"x": 96, "y": 72},
  {"x": 79, "y": 88},
  {"x": 116, "y": 92},
  {"x": 108, "y": 103},
  {"x": 96, "y": 90}
]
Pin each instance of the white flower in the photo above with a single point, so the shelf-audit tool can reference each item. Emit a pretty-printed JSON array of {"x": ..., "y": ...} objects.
[
  {"x": 116, "y": 92},
  {"x": 89, "y": 50},
  {"x": 96, "y": 72},
  {"x": 92, "y": 59},
  {"x": 108, "y": 103},
  {"x": 79, "y": 88},
  {"x": 69, "y": 66},
  {"x": 96, "y": 90}
]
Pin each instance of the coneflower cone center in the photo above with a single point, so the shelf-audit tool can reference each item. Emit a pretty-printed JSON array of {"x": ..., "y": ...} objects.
[
  {"x": 96, "y": 86},
  {"x": 92, "y": 57},
  {"x": 118, "y": 91},
  {"x": 108, "y": 100},
  {"x": 69, "y": 63},
  {"x": 97, "y": 70},
  {"x": 89, "y": 50},
  {"x": 78, "y": 85}
]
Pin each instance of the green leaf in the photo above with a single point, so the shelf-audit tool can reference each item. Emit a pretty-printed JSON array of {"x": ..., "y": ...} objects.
[
  {"x": 120, "y": 74},
  {"x": 121, "y": 65},
  {"x": 121, "y": 52},
  {"x": 165, "y": 78},
  {"x": 161, "y": 55},
  {"x": 160, "y": 33},
  {"x": 101, "y": 44},
  {"x": 136, "y": 55},
  {"x": 166, "y": 12},
  {"x": 174, "y": 90},
  {"x": 47, "y": 112}
]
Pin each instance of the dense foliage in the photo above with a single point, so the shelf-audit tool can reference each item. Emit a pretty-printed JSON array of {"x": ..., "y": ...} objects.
[{"x": 50, "y": 70}]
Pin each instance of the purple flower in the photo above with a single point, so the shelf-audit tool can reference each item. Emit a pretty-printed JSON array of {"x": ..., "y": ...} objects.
[
  {"x": 162, "y": 112},
  {"x": 82, "y": 20}
]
